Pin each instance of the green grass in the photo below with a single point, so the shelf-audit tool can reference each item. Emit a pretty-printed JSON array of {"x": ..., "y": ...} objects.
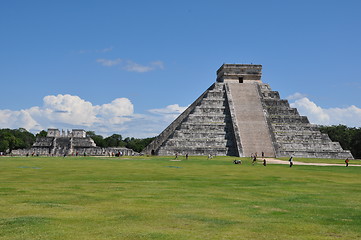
[
  {"x": 155, "y": 198},
  {"x": 325, "y": 160}
]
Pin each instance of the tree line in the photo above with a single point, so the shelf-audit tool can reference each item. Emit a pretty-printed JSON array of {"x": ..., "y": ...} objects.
[
  {"x": 12, "y": 139},
  {"x": 116, "y": 140}
]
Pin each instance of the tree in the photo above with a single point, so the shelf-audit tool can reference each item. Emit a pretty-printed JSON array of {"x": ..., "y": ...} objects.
[
  {"x": 42, "y": 133},
  {"x": 98, "y": 139},
  {"x": 4, "y": 145},
  {"x": 349, "y": 138},
  {"x": 114, "y": 140},
  {"x": 15, "y": 138}
]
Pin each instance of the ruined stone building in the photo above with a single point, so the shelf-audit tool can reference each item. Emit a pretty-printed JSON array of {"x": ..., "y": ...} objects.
[
  {"x": 74, "y": 142},
  {"x": 239, "y": 115}
]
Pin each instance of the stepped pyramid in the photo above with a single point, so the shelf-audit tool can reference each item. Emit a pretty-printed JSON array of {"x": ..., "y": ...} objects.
[{"x": 239, "y": 115}]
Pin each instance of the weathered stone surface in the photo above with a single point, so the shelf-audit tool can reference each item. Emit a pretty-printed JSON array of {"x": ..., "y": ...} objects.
[{"x": 239, "y": 115}]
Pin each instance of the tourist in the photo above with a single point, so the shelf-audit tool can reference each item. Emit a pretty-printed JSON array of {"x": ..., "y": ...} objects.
[
  {"x": 291, "y": 161},
  {"x": 346, "y": 161},
  {"x": 186, "y": 156},
  {"x": 262, "y": 154},
  {"x": 264, "y": 162},
  {"x": 254, "y": 159},
  {"x": 237, "y": 161}
]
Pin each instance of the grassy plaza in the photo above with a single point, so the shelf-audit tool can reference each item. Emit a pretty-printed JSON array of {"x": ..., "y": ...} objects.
[{"x": 157, "y": 198}]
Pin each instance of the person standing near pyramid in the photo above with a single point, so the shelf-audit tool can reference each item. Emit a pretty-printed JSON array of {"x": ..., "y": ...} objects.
[{"x": 291, "y": 161}]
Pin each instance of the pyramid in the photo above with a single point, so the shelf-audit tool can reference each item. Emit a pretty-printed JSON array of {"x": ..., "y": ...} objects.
[{"x": 239, "y": 115}]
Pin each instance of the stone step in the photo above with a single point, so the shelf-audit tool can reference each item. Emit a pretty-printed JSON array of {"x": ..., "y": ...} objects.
[
  {"x": 280, "y": 128},
  {"x": 270, "y": 95},
  {"x": 316, "y": 154},
  {"x": 213, "y": 101},
  {"x": 302, "y": 146},
  {"x": 276, "y": 102},
  {"x": 296, "y": 119},
  {"x": 197, "y": 142},
  {"x": 204, "y": 127},
  {"x": 215, "y": 95},
  {"x": 272, "y": 111},
  {"x": 314, "y": 134},
  {"x": 201, "y": 134},
  {"x": 199, "y": 152},
  {"x": 207, "y": 119},
  {"x": 203, "y": 110}
]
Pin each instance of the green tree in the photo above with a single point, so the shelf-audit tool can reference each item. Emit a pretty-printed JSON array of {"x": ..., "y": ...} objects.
[
  {"x": 137, "y": 144},
  {"x": 42, "y": 133},
  {"x": 98, "y": 139},
  {"x": 349, "y": 138},
  {"x": 4, "y": 145},
  {"x": 114, "y": 140}
]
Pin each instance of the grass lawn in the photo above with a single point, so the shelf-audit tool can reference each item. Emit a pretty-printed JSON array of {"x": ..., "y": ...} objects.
[
  {"x": 325, "y": 160},
  {"x": 155, "y": 198}
]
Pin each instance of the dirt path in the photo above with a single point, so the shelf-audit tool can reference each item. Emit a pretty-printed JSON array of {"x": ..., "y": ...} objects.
[{"x": 277, "y": 161}]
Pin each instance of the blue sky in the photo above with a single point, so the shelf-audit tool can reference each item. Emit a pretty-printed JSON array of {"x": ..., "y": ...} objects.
[{"x": 130, "y": 67}]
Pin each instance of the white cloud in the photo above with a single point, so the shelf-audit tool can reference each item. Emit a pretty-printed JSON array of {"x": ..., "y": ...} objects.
[
  {"x": 135, "y": 67},
  {"x": 17, "y": 119},
  {"x": 349, "y": 116},
  {"x": 170, "y": 109},
  {"x": 296, "y": 96},
  {"x": 109, "y": 63},
  {"x": 69, "y": 112},
  {"x": 169, "y": 113},
  {"x": 131, "y": 66}
]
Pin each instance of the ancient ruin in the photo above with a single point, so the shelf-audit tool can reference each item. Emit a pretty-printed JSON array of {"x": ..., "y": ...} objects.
[
  {"x": 66, "y": 143},
  {"x": 239, "y": 115}
]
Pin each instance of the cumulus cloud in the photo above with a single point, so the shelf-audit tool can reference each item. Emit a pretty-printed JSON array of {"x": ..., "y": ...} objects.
[
  {"x": 131, "y": 66},
  {"x": 69, "y": 112},
  {"x": 16, "y": 119},
  {"x": 349, "y": 116}
]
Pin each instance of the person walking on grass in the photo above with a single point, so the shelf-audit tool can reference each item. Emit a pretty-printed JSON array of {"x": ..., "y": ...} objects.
[
  {"x": 291, "y": 161},
  {"x": 264, "y": 162},
  {"x": 254, "y": 159},
  {"x": 347, "y": 161}
]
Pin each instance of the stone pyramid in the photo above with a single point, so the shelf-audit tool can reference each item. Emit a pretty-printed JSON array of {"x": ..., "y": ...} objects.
[{"x": 239, "y": 115}]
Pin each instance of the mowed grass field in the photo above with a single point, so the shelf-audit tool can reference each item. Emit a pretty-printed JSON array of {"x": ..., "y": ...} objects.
[{"x": 155, "y": 198}]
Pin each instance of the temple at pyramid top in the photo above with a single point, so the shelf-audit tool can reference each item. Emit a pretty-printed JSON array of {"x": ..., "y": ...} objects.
[
  {"x": 239, "y": 115},
  {"x": 239, "y": 73}
]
